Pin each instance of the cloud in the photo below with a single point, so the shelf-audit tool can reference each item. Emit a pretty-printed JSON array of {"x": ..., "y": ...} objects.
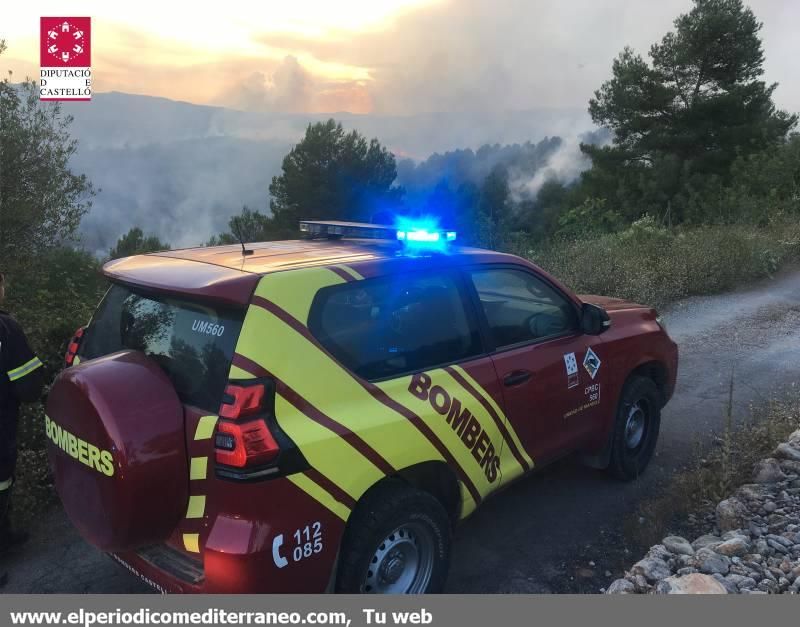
[
  {"x": 443, "y": 56},
  {"x": 478, "y": 55},
  {"x": 288, "y": 88}
]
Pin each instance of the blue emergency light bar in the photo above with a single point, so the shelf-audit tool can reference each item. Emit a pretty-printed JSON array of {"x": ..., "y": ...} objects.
[
  {"x": 425, "y": 236},
  {"x": 409, "y": 234}
]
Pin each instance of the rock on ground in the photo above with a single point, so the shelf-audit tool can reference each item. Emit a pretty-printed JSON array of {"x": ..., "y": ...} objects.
[
  {"x": 678, "y": 545},
  {"x": 730, "y": 514},
  {"x": 754, "y": 547},
  {"x": 691, "y": 584}
]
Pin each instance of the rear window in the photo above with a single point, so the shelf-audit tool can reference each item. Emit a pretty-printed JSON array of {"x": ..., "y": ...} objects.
[
  {"x": 382, "y": 328},
  {"x": 192, "y": 342}
]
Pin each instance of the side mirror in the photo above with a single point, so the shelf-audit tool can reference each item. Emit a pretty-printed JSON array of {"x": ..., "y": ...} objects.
[{"x": 594, "y": 319}]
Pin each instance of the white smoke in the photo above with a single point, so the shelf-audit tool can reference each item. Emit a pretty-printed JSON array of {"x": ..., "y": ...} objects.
[{"x": 564, "y": 166}]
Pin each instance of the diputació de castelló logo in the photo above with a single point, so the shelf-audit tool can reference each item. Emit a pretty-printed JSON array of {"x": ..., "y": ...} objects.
[{"x": 65, "y": 58}]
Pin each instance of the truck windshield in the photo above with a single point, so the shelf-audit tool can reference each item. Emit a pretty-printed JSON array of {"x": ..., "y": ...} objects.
[{"x": 192, "y": 342}]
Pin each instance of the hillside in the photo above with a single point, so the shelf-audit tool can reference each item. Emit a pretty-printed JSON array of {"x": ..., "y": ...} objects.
[{"x": 181, "y": 170}]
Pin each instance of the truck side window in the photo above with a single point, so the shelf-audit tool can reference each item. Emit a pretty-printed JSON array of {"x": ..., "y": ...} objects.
[
  {"x": 520, "y": 307},
  {"x": 385, "y": 327}
]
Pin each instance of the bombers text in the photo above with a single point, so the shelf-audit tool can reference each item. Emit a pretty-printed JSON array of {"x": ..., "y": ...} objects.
[
  {"x": 461, "y": 420},
  {"x": 83, "y": 451}
]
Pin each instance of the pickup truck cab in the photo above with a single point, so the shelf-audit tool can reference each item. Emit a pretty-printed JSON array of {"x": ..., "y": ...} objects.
[{"x": 318, "y": 415}]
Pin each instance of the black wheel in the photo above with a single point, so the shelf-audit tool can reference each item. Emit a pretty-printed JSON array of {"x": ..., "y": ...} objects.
[
  {"x": 398, "y": 542},
  {"x": 636, "y": 428}
]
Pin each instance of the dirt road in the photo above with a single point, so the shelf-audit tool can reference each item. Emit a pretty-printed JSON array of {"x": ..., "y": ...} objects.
[{"x": 539, "y": 535}]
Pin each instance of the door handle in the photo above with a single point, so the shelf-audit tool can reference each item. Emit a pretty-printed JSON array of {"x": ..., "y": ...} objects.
[{"x": 517, "y": 377}]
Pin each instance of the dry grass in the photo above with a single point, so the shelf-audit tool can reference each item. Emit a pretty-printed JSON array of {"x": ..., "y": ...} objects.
[
  {"x": 715, "y": 472},
  {"x": 656, "y": 266}
]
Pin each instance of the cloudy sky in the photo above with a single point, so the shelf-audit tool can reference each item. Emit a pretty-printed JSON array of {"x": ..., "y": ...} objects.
[{"x": 376, "y": 56}]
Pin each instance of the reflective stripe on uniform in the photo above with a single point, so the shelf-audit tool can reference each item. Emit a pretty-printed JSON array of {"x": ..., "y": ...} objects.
[
  {"x": 5, "y": 485},
  {"x": 27, "y": 368}
]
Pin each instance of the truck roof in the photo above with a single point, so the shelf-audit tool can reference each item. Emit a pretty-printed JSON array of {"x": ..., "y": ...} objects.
[{"x": 223, "y": 273}]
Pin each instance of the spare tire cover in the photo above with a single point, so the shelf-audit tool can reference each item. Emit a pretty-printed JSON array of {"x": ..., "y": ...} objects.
[{"x": 115, "y": 430}]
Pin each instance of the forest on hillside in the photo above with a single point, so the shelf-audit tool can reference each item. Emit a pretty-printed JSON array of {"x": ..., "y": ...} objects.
[{"x": 690, "y": 185}]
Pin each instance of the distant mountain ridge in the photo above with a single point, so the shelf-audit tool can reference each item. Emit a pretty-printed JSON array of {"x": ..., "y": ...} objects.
[{"x": 180, "y": 170}]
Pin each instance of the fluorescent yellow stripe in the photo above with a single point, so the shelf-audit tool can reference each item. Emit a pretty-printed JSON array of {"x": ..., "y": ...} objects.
[
  {"x": 318, "y": 494},
  {"x": 205, "y": 427},
  {"x": 478, "y": 387},
  {"x": 238, "y": 373},
  {"x": 351, "y": 272},
  {"x": 26, "y": 368},
  {"x": 296, "y": 290},
  {"x": 293, "y": 359},
  {"x": 192, "y": 542},
  {"x": 398, "y": 390},
  {"x": 5, "y": 485},
  {"x": 197, "y": 507},
  {"x": 76, "y": 360},
  {"x": 198, "y": 469},
  {"x": 328, "y": 452},
  {"x": 502, "y": 415}
]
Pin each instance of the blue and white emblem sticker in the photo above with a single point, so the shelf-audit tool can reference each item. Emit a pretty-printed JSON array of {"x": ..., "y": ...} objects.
[
  {"x": 571, "y": 365},
  {"x": 591, "y": 362}
]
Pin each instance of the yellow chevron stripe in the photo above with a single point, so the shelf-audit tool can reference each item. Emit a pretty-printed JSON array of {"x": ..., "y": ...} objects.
[
  {"x": 296, "y": 290},
  {"x": 327, "y": 452},
  {"x": 398, "y": 390},
  {"x": 205, "y": 427},
  {"x": 196, "y": 507},
  {"x": 191, "y": 541},
  {"x": 350, "y": 271},
  {"x": 318, "y": 494},
  {"x": 500, "y": 413},
  {"x": 238, "y": 373},
  {"x": 292, "y": 358},
  {"x": 198, "y": 468}
]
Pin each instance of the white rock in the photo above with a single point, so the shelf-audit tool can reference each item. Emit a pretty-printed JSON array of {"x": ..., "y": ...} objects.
[
  {"x": 678, "y": 545},
  {"x": 695, "y": 583},
  {"x": 621, "y": 586}
]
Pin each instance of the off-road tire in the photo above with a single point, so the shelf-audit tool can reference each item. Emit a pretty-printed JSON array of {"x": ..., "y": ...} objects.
[
  {"x": 629, "y": 462},
  {"x": 388, "y": 506}
]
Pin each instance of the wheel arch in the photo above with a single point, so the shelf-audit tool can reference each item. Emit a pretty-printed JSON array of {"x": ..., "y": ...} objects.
[
  {"x": 657, "y": 372},
  {"x": 652, "y": 369},
  {"x": 434, "y": 477}
]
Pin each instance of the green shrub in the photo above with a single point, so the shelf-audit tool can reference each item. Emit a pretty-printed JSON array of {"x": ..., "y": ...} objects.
[{"x": 652, "y": 265}]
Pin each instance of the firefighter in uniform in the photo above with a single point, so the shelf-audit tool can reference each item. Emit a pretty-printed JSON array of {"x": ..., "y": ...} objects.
[{"x": 21, "y": 380}]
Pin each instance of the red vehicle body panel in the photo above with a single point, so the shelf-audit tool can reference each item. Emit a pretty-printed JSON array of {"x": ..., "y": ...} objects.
[
  {"x": 239, "y": 527},
  {"x": 238, "y": 548}
]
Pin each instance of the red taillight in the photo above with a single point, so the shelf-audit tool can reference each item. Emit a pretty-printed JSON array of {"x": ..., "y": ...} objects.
[
  {"x": 243, "y": 438},
  {"x": 246, "y": 401},
  {"x": 244, "y": 444},
  {"x": 74, "y": 344}
]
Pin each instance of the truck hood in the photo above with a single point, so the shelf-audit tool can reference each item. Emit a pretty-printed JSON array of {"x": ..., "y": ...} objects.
[{"x": 608, "y": 303}]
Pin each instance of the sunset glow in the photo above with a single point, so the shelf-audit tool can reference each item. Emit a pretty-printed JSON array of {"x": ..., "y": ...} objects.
[{"x": 171, "y": 50}]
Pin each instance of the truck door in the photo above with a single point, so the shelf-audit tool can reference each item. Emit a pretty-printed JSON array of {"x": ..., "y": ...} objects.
[{"x": 550, "y": 372}]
